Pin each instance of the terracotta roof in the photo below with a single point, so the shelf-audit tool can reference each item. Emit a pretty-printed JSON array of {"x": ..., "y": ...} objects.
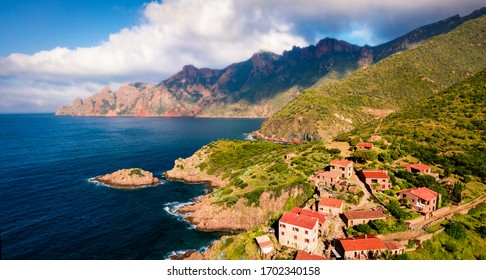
[
  {"x": 375, "y": 174},
  {"x": 364, "y": 144},
  {"x": 392, "y": 245},
  {"x": 341, "y": 162},
  {"x": 366, "y": 242},
  {"x": 314, "y": 214},
  {"x": 419, "y": 166},
  {"x": 301, "y": 256},
  {"x": 423, "y": 192},
  {"x": 330, "y": 174},
  {"x": 296, "y": 210},
  {"x": 298, "y": 220},
  {"x": 264, "y": 241},
  {"x": 364, "y": 214},
  {"x": 331, "y": 202}
]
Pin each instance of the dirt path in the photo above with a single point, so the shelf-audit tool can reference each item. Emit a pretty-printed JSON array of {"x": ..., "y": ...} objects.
[{"x": 418, "y": 228}]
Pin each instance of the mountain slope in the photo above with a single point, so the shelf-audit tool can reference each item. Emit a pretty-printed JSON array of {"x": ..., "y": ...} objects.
[
  {"x": 257, "y": 87},
  {"x": 394, "y": 83}
]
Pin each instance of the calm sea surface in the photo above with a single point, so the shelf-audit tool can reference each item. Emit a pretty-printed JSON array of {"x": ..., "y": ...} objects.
[{"x": 49, "y": 209}]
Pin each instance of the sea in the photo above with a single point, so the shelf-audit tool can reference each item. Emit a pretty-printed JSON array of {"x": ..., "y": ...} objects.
[{"x": 51, "y": 211}]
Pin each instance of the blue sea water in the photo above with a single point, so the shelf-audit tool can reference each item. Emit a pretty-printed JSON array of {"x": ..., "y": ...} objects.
[{"x": 50, "y": 210}]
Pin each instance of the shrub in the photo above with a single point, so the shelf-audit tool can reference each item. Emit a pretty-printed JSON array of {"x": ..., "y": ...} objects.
[{"x": 456, "y": 230}]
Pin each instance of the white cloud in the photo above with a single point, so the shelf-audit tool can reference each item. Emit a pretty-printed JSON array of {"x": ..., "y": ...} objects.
[{"x": 206, "y": 33}]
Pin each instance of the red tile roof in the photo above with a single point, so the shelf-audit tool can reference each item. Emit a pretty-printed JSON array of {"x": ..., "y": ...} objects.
[
  {"x": 419, "y": 166},
  {"x": 299, "y": 220},
  {"x": 364, "y": 214},
  {"x": 301, "y": 256},
  {"x": 362, "y": 243},
  {"x": 296, "y": 210},
  {"x": 331, "y": 174},
  {"x": 392, "y": 245},
  {"x": 381, "y": 174},
  {"x": 331, "y": 202},
  {"x": 364, "y": 144},
  {"x": 342, "y": 162},
  {"x": 423, "y": 192},
  {"x": 313, "y": 214}
]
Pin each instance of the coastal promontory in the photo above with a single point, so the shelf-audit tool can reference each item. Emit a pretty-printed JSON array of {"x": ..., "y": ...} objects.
[{"x": 128, "y": 178}]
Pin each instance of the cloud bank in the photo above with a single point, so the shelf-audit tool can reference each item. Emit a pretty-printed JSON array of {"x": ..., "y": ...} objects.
[{"x": 205, "y": 33}]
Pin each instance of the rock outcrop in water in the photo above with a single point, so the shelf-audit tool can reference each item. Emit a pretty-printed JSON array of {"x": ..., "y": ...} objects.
[{"x": 128, "y": 178}]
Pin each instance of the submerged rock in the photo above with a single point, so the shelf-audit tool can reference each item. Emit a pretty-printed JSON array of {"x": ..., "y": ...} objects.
[{"x": 128, "y": 178}]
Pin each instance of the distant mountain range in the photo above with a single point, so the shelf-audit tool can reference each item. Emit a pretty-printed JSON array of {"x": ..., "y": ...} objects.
[{"x": 257, "y": 87}]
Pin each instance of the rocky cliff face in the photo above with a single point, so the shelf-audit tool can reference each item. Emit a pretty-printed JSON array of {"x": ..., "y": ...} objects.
[{"x": 128, "y": 178}]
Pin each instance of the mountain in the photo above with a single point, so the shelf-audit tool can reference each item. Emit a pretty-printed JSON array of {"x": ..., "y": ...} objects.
[
  {"x": 257, "y": 87},
  {"x": 401, "y": 80}
]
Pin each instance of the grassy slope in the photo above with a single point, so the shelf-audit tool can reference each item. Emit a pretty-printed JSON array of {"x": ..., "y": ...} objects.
[{"x": 393, "y": 83}]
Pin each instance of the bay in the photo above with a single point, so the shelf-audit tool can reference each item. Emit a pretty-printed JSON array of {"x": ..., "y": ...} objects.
[{"x": 49, "y": 209}]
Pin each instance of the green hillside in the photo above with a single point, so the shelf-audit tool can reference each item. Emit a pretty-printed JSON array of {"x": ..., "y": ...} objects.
[
  {"x": 447, "y": 129},
  {"x": 390, "y": 85}
]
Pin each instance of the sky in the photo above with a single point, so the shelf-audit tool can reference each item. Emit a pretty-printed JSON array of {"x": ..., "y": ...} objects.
[{"x": 53, "y": 51}]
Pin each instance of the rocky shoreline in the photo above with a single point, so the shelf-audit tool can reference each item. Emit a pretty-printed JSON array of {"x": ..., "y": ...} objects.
[{"x": 128, "y": 178}]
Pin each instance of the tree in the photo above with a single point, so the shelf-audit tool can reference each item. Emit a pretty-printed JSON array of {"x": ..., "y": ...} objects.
[
  {"x": 364, "y": 155},
  {"x": 457, "y": 192}
]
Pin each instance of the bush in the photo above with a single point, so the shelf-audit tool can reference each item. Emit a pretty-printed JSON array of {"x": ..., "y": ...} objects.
[
  {"x": 364, "y": 228},
  {"x": 456, "y": 230}
]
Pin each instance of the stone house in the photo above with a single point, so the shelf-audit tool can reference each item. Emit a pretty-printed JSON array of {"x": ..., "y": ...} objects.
[
  {"x": 396, "y": 248},
  {"x": 358, "y": 217},
  {"x": 423, "y": 200},
  {"x": 298, "y": 231},
  {"x": 331, "y": 206},
  {"x": 360, "y": 248},
  {"x": 343, "y": 167},
  {"x": 375, "y": 180},
  {"x": 364, "y": 146},
  {"x": 325, "y": 178}
]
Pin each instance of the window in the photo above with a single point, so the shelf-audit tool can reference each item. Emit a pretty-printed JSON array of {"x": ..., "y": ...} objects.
[
  {"x": 282, "y": 225},
  {"x": 295, "y": 237},
  {"x": 306, "y": 232},
  {"x": 283, "y": 233},
  {"x": 307, "y": 240},
  {"x": 295, "y": 229}
]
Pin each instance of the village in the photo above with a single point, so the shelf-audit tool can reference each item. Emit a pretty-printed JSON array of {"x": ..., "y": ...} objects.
[{"x": 350, "y": 209}]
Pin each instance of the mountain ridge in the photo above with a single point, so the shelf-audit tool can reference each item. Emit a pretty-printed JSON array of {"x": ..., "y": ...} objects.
[{"x": 257, "y": 87}]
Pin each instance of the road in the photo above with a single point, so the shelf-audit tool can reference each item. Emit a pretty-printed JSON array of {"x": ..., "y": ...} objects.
[{"x": 419, "y": 227}]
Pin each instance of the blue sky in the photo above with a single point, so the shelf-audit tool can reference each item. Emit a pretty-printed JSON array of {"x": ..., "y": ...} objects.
[{"x": 53, "y": 51}]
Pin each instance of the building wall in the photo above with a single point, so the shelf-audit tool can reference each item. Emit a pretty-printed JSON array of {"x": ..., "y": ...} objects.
[
  {"x": 383, "y": 182},
  {"x": 288, "y": 236},
  {"x": 331, "y": 210},
  {"x": 429, "y": 207},
  {"x": 350, "y": 223},
  {"x": 346, "y": 172}
]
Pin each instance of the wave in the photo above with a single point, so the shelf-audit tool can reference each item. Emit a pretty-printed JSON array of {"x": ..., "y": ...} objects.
[{"x": 182, "y": 252}]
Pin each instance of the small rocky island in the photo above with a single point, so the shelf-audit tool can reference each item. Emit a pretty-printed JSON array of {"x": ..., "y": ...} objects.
[{"x": 128, "y": 178}]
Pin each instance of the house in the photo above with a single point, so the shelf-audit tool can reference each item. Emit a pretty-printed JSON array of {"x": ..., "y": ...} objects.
[
  {"x": 364, "y": 146},
  {"x": 419, "y": 168},
  {"x": 358, "y": 217},
  {"x": 423, "y": 200},
  {"x": 362, "y": 247},
  {"x": 265, "y": 245},
  {"x": 298, "y": 231},
  {"x": 374, "y": 138},
  {"x": 396, "y": 248},
  {"x": 326, "y": 178},
  {"x": 343, "y": 167},
  {"x": 376, "y": 180},
  {"x": 303, "y": 256},
  {"x": 331, "y": 206},
  {"x": 290, "y": 156}
]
